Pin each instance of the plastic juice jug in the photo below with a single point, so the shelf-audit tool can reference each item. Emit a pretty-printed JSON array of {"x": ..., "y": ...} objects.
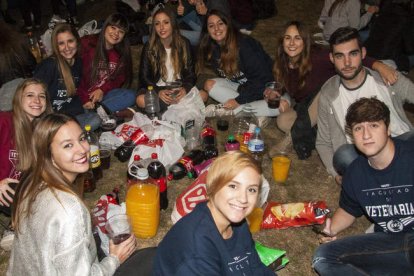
[{"x": 143, "y": 207}]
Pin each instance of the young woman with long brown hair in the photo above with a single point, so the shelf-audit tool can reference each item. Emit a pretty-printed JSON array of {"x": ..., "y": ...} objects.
[
  {"x": 242, "y": 66},
  {"x": 166, "y": 57},
  {"x": 52, "y": 224},
  {"x": 107, "y": 67}
]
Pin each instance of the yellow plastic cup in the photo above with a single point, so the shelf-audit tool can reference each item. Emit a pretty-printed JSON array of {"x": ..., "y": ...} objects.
[
  {"x": 255, "y": 219},
  {"x": 280, "y": 166}
]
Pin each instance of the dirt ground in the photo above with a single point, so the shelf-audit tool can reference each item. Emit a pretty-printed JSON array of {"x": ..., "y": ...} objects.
[{"x": 307, "y": 180}]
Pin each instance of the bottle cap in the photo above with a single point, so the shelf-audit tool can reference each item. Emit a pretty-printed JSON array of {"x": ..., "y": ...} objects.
[
  {"x": 137, "y": 157},
  {"x": 154, "y": 156},
  {"x": 150, "y": 87},
  {"x": 142, "y": 174},
  {"x": 190, "y": 175},
  {"x": 231, "y": 137},
  {"x": 257, "y": 130},
  {"x": 88, "y": 127}
]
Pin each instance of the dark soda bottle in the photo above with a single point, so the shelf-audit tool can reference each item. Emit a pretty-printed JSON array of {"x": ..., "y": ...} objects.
[
  {"x": 89, "y": 183},
  {"x": 210, "y": 151},
  {"x": 156, "y": 171},
  {"x": 198, "y": 169},
  {"x": 208, "y": 135},
  {"x": 186, "y": 164},
  {"x": 140, "y": 136}
]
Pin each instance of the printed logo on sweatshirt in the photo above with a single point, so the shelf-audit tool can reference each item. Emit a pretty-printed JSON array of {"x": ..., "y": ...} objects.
[{"x": 240, "y": 263}]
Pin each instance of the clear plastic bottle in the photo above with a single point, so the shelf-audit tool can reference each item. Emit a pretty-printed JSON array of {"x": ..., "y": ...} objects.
[
  {"x": 94, "y": 155},
  {"x": 152, "y": 103},
  {"x": 34, "y": 46},
  {"x": 256, "y": 145},
  {"x": 143, "y": 205},
  {"x": 242, "y": 127}
]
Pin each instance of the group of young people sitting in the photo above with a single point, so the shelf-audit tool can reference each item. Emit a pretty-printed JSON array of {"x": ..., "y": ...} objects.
[{"x": 357, "y": 109}]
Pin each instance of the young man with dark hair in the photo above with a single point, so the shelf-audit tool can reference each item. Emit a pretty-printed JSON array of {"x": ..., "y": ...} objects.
[
  {"x": 380, "y": 185},
  {"x": 352, "y": 82}
]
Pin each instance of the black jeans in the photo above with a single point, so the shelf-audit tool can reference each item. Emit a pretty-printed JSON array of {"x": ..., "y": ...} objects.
[{"x": 139, "y": 263}]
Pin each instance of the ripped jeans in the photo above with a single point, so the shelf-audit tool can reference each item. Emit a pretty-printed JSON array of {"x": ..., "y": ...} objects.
[{"x": 368, "y": 254}]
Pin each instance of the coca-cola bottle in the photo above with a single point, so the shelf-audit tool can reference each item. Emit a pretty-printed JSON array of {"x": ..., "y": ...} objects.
[
  {"x": 186, "y": 164},
  {"x": 208, "y": 135},
  {"x": 156, "y": 171},
  {"x": 140, "y": 136},
  {"x": 94, "y": 155}
]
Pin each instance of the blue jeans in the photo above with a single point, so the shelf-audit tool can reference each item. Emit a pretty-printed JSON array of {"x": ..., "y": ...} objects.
[
  {"x": 119, "y": 99},
  {"x": 347, "y": 153},
  {"x": 193, "y": 21},
  {"x": 89, "y": 118},
  {"x": 368, "y": 254}
]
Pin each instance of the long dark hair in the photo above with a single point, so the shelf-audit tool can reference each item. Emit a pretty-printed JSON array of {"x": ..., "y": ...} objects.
[
  {"x": 64, "y": 67},
  {"x": 281, "y": 65},
  {"x": 229, "y": 51},
  {"x": 157, "y": 54},
  {"x": 42, "y": 173},
  {"x": 122, "y": 48}
]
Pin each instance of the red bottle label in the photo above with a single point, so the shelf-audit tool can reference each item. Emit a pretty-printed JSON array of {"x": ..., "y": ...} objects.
[
  {"x": 162, "y": 184},
  {"x": 139, "y": 137},
  {"x": 208, "y": 131},
  {"x": 187, "y": 162}
]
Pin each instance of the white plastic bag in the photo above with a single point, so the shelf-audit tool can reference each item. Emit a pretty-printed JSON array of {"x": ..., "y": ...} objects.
[{"x": 190, "y": 107}]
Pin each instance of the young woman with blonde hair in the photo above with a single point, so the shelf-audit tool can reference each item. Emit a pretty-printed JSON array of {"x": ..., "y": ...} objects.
[
  {"x": 30, "y": 102},
  {"x": 214, "y": 239},
  {"x": 62, "y": 73},
  {"x": 166, "y": 57}
]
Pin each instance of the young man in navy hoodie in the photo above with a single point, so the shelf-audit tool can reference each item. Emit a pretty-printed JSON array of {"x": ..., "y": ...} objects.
[{"x": 380, "y": 185}]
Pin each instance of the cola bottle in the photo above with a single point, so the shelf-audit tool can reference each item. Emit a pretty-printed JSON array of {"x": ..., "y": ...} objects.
[
  {"x": 208, "y": 135},
  {"x": 94, "y": 155},
  {"x": 210, "y": 151},
  {"x": 140, "y": 136},
  {"x": 186, "y": 165},
  {"x": 156, "y": 171}
]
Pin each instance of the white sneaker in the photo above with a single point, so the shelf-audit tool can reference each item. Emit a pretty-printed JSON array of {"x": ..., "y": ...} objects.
[
  {"x": 263, "y": 121},
  {"x": 213, "y": 110},
  {"x": 89, "y": 28},
  {"x": 245, "y": 31},
  {"x": 6, "y": 242},
  {"x": 56, "y": 18}
]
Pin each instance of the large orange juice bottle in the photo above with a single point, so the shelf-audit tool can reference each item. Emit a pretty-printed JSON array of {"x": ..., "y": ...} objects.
[
  {"x": 280, "y": 167},
  {"x": 143, "y": 207}
]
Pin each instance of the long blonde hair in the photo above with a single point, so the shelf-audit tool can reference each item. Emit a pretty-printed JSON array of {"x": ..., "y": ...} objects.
[
  {"x": 42, "y": 173},
  {"x": 157, "y": 54},
  {"x": 64, "y": 67},
  {"x": 23, "y": 127}
]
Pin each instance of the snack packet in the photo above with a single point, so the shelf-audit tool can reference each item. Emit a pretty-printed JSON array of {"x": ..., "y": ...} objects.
[
  {"x": 271, "y": 257},
  {"x": 281, "y": 216}
]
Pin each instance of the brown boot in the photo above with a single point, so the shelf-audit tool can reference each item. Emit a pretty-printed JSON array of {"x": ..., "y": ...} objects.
[{"x": 285, "y": 145}]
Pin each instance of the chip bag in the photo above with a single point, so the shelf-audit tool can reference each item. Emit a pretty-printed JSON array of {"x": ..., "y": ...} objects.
[{"x": 281, "y": 216}]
